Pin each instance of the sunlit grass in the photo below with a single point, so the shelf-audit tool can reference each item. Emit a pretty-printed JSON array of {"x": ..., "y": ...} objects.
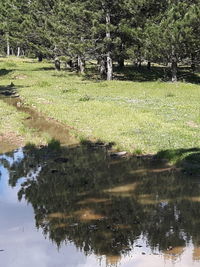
[
  {"x": 137, "y": 116},
  {"x": 13, "y": 129}
]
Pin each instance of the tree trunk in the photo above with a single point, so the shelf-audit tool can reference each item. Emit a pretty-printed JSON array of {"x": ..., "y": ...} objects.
[
  {"x": 121, "y": 63},
  {"x": 57, "y": 64},
  {"x": 174, "y": 66},
  {"x": 18, "y": 51},
  {"x": 149, "y": 65},
  {"x": 193, "y": 67},
  {"x": 102, "y": 67},
  {"x": 8, "y": 44},
  {"x": 109, "y": 58},
  {"x": 81, "y": 64},
  {"x": 109, "y": 67},
  {"x": 40, "y": 58},
  {"x": 69, "y": 64}
]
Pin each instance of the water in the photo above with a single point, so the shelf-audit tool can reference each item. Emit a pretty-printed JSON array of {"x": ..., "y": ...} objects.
[
  {"x": 42, "y": 124},
  {"x": 77, "y": 206}
]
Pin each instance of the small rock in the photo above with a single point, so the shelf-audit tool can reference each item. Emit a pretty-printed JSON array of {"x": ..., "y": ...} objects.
[{"x": 118, "y": 154}]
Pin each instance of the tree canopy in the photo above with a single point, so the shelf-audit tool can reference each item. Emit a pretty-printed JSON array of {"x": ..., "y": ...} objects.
[{"x": 164, "y": 32}]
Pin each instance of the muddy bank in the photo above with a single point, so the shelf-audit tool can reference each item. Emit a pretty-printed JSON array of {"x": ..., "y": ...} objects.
[
  {"x": 10, "y": 141},
  {"x": 38, "y": 122}
]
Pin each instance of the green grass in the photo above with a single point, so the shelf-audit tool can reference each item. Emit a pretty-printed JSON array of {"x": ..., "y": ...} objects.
[
  {"x": 137, "y": 116},
  {"x": 13, "y": 129}
]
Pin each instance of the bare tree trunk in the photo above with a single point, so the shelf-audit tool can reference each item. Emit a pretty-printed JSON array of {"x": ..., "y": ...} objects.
[
  {"x": 40, "y": 57},
  {"x": 8, "y": 44},
  {"x": 174, "y": 66},
  {"x": 174, "y": 71},
  {"x": 18, "y": 51},
  {"x": 149, "y": 65},
  {"x": 121, "y": 63},
  {"x": 81, "y": 64},
  {"x": 109, "y": 67},
  {"x": 57, "y": 63},
  {"x": 109, "y": 58},
  {"x": 102, "y": 67}
]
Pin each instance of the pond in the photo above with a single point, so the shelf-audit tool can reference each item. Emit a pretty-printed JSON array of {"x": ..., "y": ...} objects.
[{"x": 78, "y": 206}]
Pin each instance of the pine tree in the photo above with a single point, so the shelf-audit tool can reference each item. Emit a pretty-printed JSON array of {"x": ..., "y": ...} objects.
[{"x": 170, "y": 37}]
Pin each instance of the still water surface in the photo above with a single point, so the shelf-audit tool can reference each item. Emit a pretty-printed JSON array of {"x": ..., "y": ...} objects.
[{"x": 79, "y": 207}]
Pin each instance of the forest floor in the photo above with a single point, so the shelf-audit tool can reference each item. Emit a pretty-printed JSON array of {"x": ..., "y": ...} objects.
[{"x": 138, "y": 111}]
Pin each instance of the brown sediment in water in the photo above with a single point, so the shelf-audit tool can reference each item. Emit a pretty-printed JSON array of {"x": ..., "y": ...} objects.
[
  {"x": 92, "y": 201},
  {"x": 58, "y": 215},
  {"x": 88, "y": 215},
  {"x": 123, "y": 188},
  {"x": 174, "y": 253},
  {"x": 196, "y": 254},
  {"x": 113, "y": 259},
  {"x": 156, "y": 170},
  {"x": 60, "y": 226}
]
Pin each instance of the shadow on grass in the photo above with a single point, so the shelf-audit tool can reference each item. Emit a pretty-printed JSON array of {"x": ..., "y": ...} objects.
[
  {"x": 9, "y": 90},
  {"x": 142, "y": 74},
  {"x": 4, "y": 72},
  {"x": 185, "y": 74},
  {"x": 187, "y": 159},
  {"x": 44, "y": 69},
  {"x": 103, "y": 203}
]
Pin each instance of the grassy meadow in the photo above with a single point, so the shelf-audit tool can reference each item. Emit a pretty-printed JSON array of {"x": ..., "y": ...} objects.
[{"x": 143, "y": 115}]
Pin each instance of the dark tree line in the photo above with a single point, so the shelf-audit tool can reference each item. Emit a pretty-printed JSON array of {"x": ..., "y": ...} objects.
[{"x": 77, "y": 31}]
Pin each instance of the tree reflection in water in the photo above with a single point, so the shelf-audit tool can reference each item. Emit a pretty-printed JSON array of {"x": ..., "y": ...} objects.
[{"x": 103, "y": 205}]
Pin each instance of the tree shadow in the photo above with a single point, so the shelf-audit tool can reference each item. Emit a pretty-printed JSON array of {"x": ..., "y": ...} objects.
[
  {"x": 156, "y": 73},
  {"x": 185, "y": 74},
  {"x": 187, "y": 159},
  {"x": 4, "y": 72},
  {"x": 103, "y": 202},
  {"x": 8, "y": 90},
  {"x": 143, "y": 74},
  {"x": 44, "y": 69}
]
